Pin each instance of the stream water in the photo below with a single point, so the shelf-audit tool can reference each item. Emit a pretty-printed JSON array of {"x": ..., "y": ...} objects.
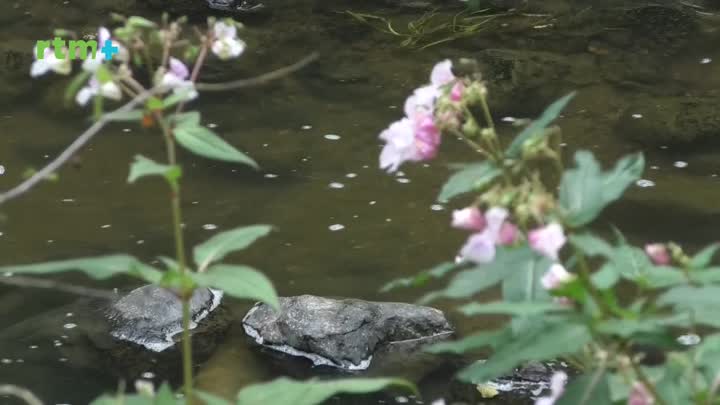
[{"x": 343, "y": 227}]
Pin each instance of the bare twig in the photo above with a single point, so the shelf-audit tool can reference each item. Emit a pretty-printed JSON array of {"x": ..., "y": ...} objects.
[
  {"x": 258, "y": 80},
  {"x": 68, "y": 153},
  {"x": 19, "y": 392},
  {"x": 55, "y": 285}
]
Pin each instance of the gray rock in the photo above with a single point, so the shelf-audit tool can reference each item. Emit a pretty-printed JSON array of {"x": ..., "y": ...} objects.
[
  {"x": 343, "y": 333},
  {"x": 151, "y": 316}
]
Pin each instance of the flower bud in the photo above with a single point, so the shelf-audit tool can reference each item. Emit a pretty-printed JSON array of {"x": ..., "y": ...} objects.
[
  {"x": 469, "y": 218},
  {"x": 658, "y": 254}
]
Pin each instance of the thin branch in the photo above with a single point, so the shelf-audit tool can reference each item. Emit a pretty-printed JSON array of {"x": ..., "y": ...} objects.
[
  {"x": 262, "y": 79},
  {"x": 54, "y": 285},
  {"x": 19, "y": 392},
  {"x": 68, "y": 153}
]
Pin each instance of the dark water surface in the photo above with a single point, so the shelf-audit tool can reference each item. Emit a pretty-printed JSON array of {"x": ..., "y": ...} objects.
[{"x": 391, "y": 225}]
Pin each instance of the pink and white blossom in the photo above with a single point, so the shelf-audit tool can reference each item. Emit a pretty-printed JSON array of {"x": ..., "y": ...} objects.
[
  {"x": 226, "y": 44},
  {"x": 50, "y": 63},
  {"x": 658, "y": 253},
  {"x": 557, "y": 388},
  {"x": 640, "y": 395},
  {"x": 509, "y": 234},
  {"x": 456, "y": 93},
  {"x": 442, "y": 73},
  {"x": 470, "y": 218},
  {"x": 556, "y": 277},
  {"x": 176, "y": 79},
  {"x": 481, "y": 246},
  {"x": 548, "y": 240},
  {"x": 94, "y": 88}
]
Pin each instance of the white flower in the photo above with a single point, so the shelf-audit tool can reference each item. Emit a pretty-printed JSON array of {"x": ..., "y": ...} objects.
[
  {"x": 50, "y": 62},
  {"x": 227, "y": 45},
  {"x": 92, "y": 63},
  {"x": 555, "y": 277},
  {"x": 175, "y": 79},
  {"x": 108, "y": 90}
]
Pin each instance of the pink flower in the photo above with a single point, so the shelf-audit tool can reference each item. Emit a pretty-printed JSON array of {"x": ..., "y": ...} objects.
[
  {"x": 442, "y": 73},
  {"x": 508, "y": 234},
  {"x": 421, "y": 101},
  {"x": 456, "y": 92},
  {"x": 480, "y": 247},
  {"x": 176, "y": 79},
  {"x": 658, "y": 253},
  {"x": 427, "y": 137},
  {"x": 557, "y": 388},
  {"x": 410, "y": 139},
  {"x": 555, "y": 277},
  {"x": 469, "y": 218},
  {"x": 547, "y": 240},
  {"x": 640, "y": 395}
]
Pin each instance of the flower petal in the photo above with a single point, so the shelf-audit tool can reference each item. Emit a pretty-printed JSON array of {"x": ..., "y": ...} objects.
[{"x": 442, "y": 73}]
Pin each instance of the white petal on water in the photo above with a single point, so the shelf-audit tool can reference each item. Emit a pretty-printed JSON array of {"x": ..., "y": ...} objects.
[
  {"x": 2, "y": 170},
  {"x": 690, "y": 339},
  {"x": 212, "y": 125},
  {"x": 336, "y": 185},
  {"x": 705, "y": 61},
  {"x": 209, "y": 227},
  {"x": 437, "y": 207},
  {"x": 332, "y": 137},
  {"x": 402, "y": 180},
  {"x": 271, "y": 176},
  {"x": 680, "y": 164},
  {"x": 351, "y": 175},
  {"x": 336, "y": 227},
  {"x": 106, "y": 226},
  {"x": 645, "y": 183},
  {"x": 373, "y": 202},
  {"x": 636, "y": 115},
  {"x": 5, "y": 361},
  {"x": 306, "y": 127},
  {"x": 148, "y": 375}
]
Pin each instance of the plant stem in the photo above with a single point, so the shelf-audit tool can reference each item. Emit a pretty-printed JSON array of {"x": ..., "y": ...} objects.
[{"x": 185, "y": 295}]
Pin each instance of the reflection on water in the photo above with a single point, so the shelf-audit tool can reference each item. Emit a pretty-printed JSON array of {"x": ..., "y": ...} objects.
[{"x": 343, "y": 228}]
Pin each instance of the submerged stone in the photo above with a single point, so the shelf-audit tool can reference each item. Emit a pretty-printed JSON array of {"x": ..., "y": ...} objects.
[
  {"x": 151, "y": 316},
  {"x": 343, "y": 333}
]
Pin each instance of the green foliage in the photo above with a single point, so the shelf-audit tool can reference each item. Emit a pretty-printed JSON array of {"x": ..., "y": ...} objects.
[
  {"x": 217, "y": 247},
  {"x": 586, "y": 190},
  {"x": 240, "y": 282},
  {"x": 537, "y": 127},
  {"x": 99, "y": 268},
  {"x": 471, "y": 177},
  {"x": 143, "y": 166},
  {"x": 204, "y": 142},
  {"x": 422, "y": 278},
  {"x": 312, "y": 392}
]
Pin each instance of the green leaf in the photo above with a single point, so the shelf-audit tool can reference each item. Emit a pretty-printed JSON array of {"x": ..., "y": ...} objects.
[
  {"x": 210, "y": 399},
  {"x": 628, "y": 327},
  {"x": 473, "y": 342},
  {"x": 523, "y": 282},
  {"x": 241, "y": 282},
  {"x": 699, "y": 299},
  {"x": 165, "y": 396},
  {"x": 542, "y": 343},
  {"x": 190, "y": 119},
  {"x": 586, "y": 190},
  {"x": 630, "y": 262},
  {"x": 126, "y": 400},
  {"x": 143, "y": 166},
  {"x": 606, "y": 277},
  {"x": 98, "y": 268},
  {"x": 527, "y": 308},
  {"x": 103, "y": 75},
  {"x": 436, "y": 272},
  {"x": 471, "y": 177},
  {"x": 703, "y": 258},
  {"x": 217, "y": 247},
  {"x": 204, "y": 142},
  {"x": 587, "y": 389},
  {"x": 591, "y": 245},
  {"x": 538, "y": 126},
  {"x": 177, "y": 97},
  {"x": 312, "y": 392},
  {"x": 154, "y": 103},
  {"x": 132, "y": 115},
  {"x": 467, "y": 283},
  {"x": 139, "y": 22}
]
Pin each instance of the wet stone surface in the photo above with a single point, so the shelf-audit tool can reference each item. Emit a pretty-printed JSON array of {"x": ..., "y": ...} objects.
[{"x": 342, "y": 333}]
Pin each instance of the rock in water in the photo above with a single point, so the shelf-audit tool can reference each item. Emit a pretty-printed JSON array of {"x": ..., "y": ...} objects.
[
  {"x": 342, "y": 333},
  {"x": 150, "y": 316}
]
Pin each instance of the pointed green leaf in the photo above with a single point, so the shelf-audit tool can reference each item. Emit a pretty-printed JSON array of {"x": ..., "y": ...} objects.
[
  {"x": 190, "y": 119},
  {"x": 210, "y": 399},
  {"x": 546, "y": 343},
  {"x": 204, "y": 142},
  {"x": 314, "y": 392},
  {"x": 473, "y": 342},
  {"x": 469, "y": 178},
  {"x": 140, "y": 22},
  {"x": 241, "y": 282},
  {"x": 98, "y": 268},
  {"x": 527, "y": 308},
  {"x": 467, "y": 283},
  {"x": 703, "y": 258},
  {"x": 217, "y": 247},
  {"x": 538, "y": 126},
  {"x": 587, "y": 389},
  {"x": 421, "y": 279},
  {"x": 586, "y": 190},
  {"x": 143, "y": 166},
  {"x": 591, "y": 245}
]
